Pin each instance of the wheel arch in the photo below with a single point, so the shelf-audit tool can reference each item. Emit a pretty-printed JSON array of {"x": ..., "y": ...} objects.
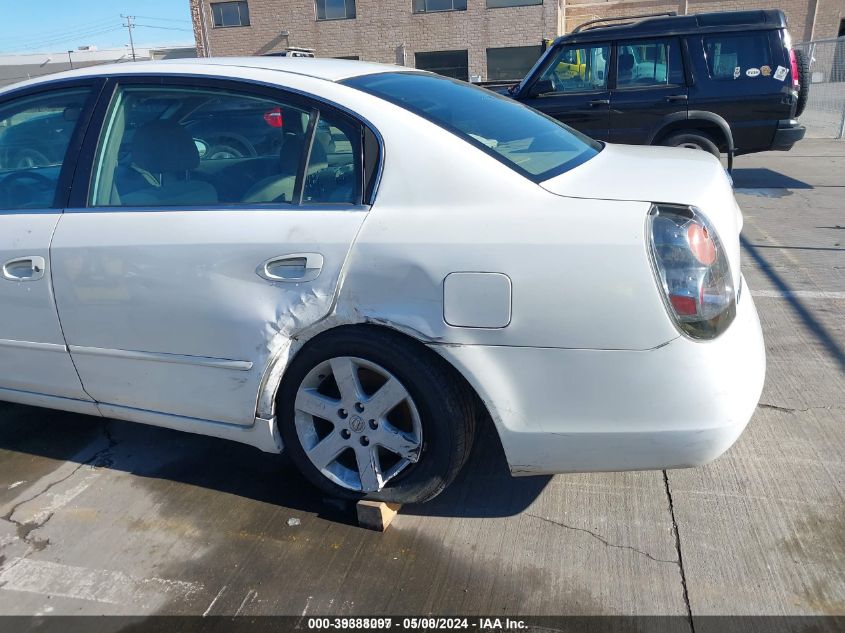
[
  {"x": 699, "y": 121},
  {"x": 277, "y": 370}
]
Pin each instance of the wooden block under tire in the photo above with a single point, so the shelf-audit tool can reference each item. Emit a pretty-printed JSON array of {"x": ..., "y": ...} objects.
[{"x": 376, "y": 515}]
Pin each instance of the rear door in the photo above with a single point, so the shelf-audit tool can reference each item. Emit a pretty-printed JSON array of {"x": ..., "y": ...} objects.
[
  {"x": 744, "y": 78},
  {"x": 649, "y": 87},
  {"x": 40, "y": 131},
  {"x": 181, "y": 271},
  {"x": 575, "y": 89}
]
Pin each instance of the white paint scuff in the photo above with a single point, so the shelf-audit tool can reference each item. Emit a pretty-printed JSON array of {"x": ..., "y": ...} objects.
[{"x": 47, "y": 578}]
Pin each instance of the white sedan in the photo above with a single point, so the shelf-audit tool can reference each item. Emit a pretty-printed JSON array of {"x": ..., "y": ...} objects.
[{"x": 357, "y": 263}]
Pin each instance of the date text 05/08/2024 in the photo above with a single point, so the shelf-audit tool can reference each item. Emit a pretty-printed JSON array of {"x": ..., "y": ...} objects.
[{"x": 412, "y": 623}]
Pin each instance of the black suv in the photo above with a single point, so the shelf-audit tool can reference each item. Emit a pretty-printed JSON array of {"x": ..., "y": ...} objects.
[{"x": 723, "y": 82}]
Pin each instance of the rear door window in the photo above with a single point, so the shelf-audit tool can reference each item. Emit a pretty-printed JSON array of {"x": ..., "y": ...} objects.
[
  {"x": 186, "y": 146},
  {"x": 738, "y": 56},
  {"x": 645, "y": 63}
]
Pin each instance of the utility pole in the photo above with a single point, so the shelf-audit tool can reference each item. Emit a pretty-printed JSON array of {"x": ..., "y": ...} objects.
[{"x": 130, "y": 25}]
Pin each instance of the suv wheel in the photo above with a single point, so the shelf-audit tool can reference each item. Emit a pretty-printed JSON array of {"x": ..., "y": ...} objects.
[
  {"x": 692, "y": 140},
  {"x": 365, "y": 413}
]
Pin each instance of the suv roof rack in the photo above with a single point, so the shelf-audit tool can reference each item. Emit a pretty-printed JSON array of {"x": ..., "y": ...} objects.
[{"x": 641, "y": 16}]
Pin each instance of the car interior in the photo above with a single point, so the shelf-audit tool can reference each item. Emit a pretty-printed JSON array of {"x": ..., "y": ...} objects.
[{"x": 163, "y": 148}]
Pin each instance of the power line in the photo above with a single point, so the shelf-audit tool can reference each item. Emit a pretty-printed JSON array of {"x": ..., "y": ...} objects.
[
  {"x": 149, "y": 17},
  {"x": 70, "y": 36},
  {"x": 164, "y": 28},
  {"x": 55, "y": 33}
]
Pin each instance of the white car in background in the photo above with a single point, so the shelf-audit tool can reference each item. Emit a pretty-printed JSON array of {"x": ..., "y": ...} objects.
[{"x": 379, "y": 259}]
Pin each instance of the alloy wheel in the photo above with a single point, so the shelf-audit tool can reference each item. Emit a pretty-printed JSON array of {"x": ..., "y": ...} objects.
[{"x": 357, "y": 423}]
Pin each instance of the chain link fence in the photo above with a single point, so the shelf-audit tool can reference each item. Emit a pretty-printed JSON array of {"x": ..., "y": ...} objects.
[{"x": 824, "y": 115}]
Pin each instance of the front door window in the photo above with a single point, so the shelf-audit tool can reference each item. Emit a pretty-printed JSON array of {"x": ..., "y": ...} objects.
[{"x": 579, "y": 69}]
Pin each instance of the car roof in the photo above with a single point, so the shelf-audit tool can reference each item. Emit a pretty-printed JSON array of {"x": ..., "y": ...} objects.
[
  {"x": 319, "y": 68},
  {"x": 681, "y": 24}
]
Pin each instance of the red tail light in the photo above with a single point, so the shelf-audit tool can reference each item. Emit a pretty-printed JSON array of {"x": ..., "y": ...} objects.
[
  {"x": 692, "y": 271},
  {"x": 793, "y": 62},
  {"x": 273, "y": 118}
]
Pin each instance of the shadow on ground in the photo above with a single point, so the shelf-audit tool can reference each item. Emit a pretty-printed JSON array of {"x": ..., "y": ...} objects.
[
  {"x": 763, "y": 178},
  {"x": 483, "y": 489}
]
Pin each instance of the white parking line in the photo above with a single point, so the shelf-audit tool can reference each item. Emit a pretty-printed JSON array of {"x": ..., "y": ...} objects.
[
  {"x": 46, "y": 578},
  {"x": 798, "y": 294}
]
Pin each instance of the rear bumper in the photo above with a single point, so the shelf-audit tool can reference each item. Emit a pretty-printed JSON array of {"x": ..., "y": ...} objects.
[
  {"x": 787, "y": 134},
  {"x": 563, "y": 410}
]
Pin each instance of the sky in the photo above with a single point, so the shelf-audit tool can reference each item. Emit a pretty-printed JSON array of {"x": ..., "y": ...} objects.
[{"x": 30, "y": 26}]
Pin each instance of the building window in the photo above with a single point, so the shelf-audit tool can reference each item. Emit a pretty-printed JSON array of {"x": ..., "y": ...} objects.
[
  {"x": 335, "y": 9},
  {"x": 449, "y": 63},
  {"x": 512, "y": 62},
  {"x": 230, "y": 13},
  {"x": 433, "y": 6},
  {"x": 495, "y": 4}
]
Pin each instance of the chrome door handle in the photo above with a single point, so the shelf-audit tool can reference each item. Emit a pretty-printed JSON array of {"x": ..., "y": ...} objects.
[
  {"x": 296, "y": 267},
  {"x": 599, "y": 102},
  {"x": 30, "y": 268}
]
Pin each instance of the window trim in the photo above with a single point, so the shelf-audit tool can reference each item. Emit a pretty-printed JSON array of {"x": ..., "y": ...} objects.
[
  {"x": 79, "y": 199},
  {"x": 231, "y": 26},
  {"x": 317, "y": 17},
  {"x": 427, "y": 11},
  {"x": 73, "y": 153}
]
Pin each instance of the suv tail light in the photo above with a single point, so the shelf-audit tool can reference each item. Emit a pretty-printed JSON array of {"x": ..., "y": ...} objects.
[
  {"x": 692, "y": 271},
  {"x": 793, "y": 62},
  {"x": 274, "y": 118}
]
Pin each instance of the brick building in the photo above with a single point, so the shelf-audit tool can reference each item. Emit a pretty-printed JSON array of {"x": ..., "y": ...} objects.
[{"x": 478, "y": 39}]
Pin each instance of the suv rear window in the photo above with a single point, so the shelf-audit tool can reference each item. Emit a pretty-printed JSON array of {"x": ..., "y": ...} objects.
[
  {"x": 525, "y": 140},
  {"x": 738, "y": 56}
]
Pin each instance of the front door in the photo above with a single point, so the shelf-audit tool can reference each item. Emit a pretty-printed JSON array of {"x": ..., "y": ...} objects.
[
  {"x": 36, "y": 131},
  {"x": 649, "y": 88},
  {"x": 188, "y": 267},
  {"x": 573, "y": 88}
]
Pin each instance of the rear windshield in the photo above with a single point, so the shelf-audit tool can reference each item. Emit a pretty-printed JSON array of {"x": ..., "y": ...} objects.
[{"x": 529, "y": 142}]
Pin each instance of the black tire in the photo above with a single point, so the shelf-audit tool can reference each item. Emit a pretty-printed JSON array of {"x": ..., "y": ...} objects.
[
  {"x": 446, "y": 410},
  {"x": 803, "y": 81},
  {"x": 692, "y": 139}
]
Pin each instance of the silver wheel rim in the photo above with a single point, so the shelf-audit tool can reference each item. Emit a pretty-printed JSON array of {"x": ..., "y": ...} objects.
[
  {"x": 691, "y": 145},
  {"x": 357, "y": 423}
]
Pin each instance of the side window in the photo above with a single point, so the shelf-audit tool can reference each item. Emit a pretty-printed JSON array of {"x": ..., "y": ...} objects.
[
  {"x": 34, "y": 136},
  {"x": 739, "y": 56},
  {"x": 334, "y": 169},
  {"x": 645, "y": 63},
  {"x": 196, "y": 146},
  {"x": 579, "y": 69}
]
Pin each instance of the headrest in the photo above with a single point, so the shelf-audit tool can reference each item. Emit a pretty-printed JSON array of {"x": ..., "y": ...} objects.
[
  {"x": 626, "y": 62},
  {"x": 164, "y": 146}
]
